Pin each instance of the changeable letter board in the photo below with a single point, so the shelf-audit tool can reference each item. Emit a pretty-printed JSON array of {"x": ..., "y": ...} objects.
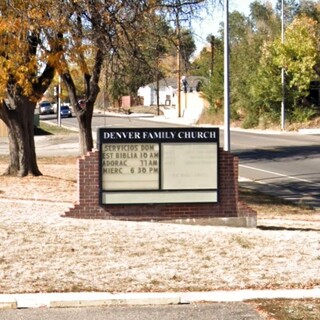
[
  {"x": 130, "y": 166},
  {"x": 158, "y": 165}
]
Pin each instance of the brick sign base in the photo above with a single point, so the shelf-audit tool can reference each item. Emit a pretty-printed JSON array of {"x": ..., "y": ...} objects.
[{"x": 228, "y": 206}]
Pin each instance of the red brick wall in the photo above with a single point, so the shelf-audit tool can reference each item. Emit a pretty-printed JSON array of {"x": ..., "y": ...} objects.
[{"x": 228, "y": 197}]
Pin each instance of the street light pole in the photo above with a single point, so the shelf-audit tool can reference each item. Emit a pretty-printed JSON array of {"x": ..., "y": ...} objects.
[
  {"x": 59, "y": 102},
  {"x": 178, "y": 64},
  {"x": 226, "y": 78},
  {"x": 283, "y": 80},
  {"x": 212, "y": 40}
]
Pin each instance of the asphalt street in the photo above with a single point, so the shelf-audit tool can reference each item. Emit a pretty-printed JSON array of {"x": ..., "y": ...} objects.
[
  {"x": 215, "y": 311},
  {"x": 283, "y": 164}
]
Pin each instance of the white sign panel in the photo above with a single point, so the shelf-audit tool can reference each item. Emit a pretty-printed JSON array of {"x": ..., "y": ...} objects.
[
  {"x": 189, "y": 166},
  {"x": 130, "y": 166},
  {"x": 158, "y": 165}
]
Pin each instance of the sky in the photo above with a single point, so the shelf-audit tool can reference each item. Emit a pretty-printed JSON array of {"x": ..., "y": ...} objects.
[{"x": 211, "y": 21}]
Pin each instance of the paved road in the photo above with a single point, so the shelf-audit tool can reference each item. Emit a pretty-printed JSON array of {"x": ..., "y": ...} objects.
[
  {"x": 216, "y": 311},
  {"x": 116, "y": 121},
  {"x": 283, "y": 164}
]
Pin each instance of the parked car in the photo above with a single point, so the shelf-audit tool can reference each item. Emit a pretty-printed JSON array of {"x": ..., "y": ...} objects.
[
  {"x": 65, "y": 112},
  {"x": 55, "y": 106},
  {"x": 45, "y": 107}
]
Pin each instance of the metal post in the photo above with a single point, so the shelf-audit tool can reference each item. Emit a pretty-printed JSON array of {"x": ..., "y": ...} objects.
[
  {"x": 158, "y": 88},
  {"x": 104, "y": 97},
  {"x": 226, "y": 79},
  {"x": 59, "y": 102},
  {"x": 283, "y": 80},
  {"x": 178, "y": 65},
  {"x": 212, "y": 55}
]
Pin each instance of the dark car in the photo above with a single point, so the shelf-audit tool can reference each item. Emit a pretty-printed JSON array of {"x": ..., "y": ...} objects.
[
  {"x": 45, "y": 107},
  {"x": 65, "y": 112}
]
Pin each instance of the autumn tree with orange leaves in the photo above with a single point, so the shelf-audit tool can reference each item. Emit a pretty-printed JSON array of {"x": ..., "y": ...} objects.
[
  {"x": 29, "y": 50},
  {"x": 41, "y": 37}
]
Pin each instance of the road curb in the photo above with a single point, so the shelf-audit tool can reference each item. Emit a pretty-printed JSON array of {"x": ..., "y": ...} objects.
[
  {"x": 100, "y": 299},
  {"x": 7, "y": 302},
  {"x": 309, "y": 131},
  {"x": 75, "y": 303},
  {"x": 244, "y": 295},
  {"x": 84, "y": 299}
]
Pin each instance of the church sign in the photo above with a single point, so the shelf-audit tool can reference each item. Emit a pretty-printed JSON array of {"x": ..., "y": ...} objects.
[{"x": 158, "y": 165}]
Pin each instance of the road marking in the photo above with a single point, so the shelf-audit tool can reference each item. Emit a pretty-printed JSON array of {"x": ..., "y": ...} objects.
[
  {"x": 279, "y": 174},
  {"x": 243, "y": 179}
]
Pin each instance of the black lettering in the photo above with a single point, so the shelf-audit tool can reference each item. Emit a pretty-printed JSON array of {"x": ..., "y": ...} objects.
[
  {"x": 115, "y": 163},
  {"x": 154, "y": 155},
  {"x": 112, "y": 170},
  {"x": 153, "y": 163}
]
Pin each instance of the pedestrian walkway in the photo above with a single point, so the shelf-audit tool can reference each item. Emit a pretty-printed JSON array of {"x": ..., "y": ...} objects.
[
  {"x": 96, "y": 299},
  {"x": 49, "y": 145}
]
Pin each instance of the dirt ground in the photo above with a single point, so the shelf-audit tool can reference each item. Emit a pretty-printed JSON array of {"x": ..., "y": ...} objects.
[{"x": 42, "y": 252}]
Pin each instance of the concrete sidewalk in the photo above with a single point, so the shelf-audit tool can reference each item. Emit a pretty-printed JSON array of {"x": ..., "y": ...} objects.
[
  {"x": 100, "y": 299},
  {"x": 49, "y": 145}
]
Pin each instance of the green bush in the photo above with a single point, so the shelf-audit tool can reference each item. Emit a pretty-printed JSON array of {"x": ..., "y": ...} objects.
[
  {"x": 302, "y": 114},
  {"x": 250, "y": 121}
]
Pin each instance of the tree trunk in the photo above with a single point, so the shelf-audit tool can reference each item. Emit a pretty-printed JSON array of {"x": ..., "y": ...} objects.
[
  {"x": 85, "y": 129},
  {"x": 19, "y": 120},
  {"x": 84, "y": 113}
]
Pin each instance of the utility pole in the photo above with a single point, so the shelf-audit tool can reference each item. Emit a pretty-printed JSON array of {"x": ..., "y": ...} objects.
[
  {"x": 59, "y": 102},
  {"x": 212, "y": 40},
  {"x": 158, "y": 85},
  {"x": 57, "y": 92},
  {"x": 226, "y": 78},
  {"x": 283, "y": 80},
  {"x": 178, "y": 63}
]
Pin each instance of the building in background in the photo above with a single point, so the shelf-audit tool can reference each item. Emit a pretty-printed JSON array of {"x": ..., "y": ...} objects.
[{"x": 167, "y": 91}]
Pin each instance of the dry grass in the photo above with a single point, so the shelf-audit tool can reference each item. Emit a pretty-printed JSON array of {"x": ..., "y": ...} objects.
[
  {"x": 281, "y": 213},
  {"x": 42, "y": 252},
  {"x": 282, "y": 309}
]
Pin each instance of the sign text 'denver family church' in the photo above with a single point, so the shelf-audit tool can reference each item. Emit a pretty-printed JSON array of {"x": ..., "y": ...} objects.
[
  {"x": 163, "y": 135},
  {"x": 158, "y": 165}
]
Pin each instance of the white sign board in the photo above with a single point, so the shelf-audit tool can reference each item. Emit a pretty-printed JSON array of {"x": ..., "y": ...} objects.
[
  {"x": 130, "y": 166},
  {"x": 189, "y": 166},
  {"x": 158, "y": 165}
]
